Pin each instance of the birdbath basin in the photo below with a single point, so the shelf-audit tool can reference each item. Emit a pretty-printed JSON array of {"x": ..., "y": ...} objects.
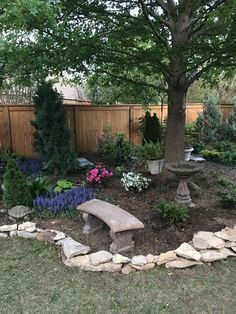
[{"x": 183, "y": 170}]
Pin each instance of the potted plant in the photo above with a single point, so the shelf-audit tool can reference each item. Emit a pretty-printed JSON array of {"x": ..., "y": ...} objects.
[{"x": 152, "y": 154}]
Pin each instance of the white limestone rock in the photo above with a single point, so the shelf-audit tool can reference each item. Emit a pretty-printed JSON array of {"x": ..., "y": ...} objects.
[
  {"x": 228, "y": 234},
  {"x": 13, "y": 234},
  {"x": 139, "y": 260},
  {"x": 100, "y": 257},
  {"x": 59, "y": 235},
  {"x": 72, "y": 248},
  {"x": 3, "y": 235},
  {"x": 7, "y": 228},
  {"x": 143, "y": 267},
  {"x": 187, "y": 251},
  {"x": 118, "y": 258},
  {"x": 166, "y": 257},
  {"x": 230, "y": 244},
  {"x": 27, "y": 226},
  {"x": 27, "y": 235},
  {"x": 181, "y": 262},
  {"x": 152, "y": 258},
  {"x": 207, "y": 240},
  {"x": 127, "y": 269},
  {"x": 216, "y": 255}
]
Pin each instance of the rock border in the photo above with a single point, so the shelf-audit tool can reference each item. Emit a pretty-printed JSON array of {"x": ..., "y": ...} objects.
[{"x": 205, "y": 247}]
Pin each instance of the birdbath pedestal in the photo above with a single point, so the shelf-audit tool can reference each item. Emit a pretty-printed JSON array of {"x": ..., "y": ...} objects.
[{"x": 183, "y": 170}]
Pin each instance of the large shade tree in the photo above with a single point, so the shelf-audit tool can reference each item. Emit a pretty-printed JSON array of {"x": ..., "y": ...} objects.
[{"x": 178, "y": 41}]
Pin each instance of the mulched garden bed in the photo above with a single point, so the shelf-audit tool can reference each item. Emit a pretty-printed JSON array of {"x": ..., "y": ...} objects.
[{"x": 157, "y": 236}]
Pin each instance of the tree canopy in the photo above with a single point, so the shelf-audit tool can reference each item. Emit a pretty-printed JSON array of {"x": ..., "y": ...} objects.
[{"x": 173, "y": 43}]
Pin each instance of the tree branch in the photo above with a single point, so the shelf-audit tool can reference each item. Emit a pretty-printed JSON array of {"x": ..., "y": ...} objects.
[
  {"x": 156, "y": 33},
  {"x": 133, "y": 81}
]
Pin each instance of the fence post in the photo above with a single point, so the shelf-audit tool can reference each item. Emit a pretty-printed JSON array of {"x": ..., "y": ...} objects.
[{"x": 6, "y": 128}]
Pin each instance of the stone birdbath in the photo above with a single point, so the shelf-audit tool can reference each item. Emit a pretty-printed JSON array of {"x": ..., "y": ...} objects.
[{"x": 183, "y": 170}]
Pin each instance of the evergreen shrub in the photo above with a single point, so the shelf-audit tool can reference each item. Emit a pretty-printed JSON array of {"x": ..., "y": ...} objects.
[{"x": 16, "y": 191}]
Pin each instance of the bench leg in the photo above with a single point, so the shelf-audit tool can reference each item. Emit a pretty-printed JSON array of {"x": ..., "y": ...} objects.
[
  {"x": 92, "y": 223},
  {"x": 122, "y": 241}
]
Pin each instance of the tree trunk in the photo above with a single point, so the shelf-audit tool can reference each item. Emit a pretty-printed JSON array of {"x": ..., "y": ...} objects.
[{"x": 175, "y": 133}]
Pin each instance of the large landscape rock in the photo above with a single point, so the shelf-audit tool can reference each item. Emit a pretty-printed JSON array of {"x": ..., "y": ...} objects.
[
  {"x": 144, "y": 267},
  {"x": 216, "y": 255},
  {"x": 6, "y": 228},
  {"x": 139, "y": 260},
  {"x": 228, "y": 234},
  {"x": 100, "y": 257},
  {"x": 46, "y": 236},
  {"x": 59, "y": 235},
  {"x": 27, "y": 226},
  {"x": 230, "y": 244},
  {"x": 181, "y": 262},
  {"x": 27, "y": 235},
  {"x": 166, "y": 257},
  {"x": 117, "y": 259},
  {"x": 187, "y": 251},
  {"x": 203, "y": 240},
  {"x": 73, "y": 248}
]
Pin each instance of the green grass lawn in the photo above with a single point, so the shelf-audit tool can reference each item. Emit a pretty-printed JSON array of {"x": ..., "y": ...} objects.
[{"x": 33, "y": 280}]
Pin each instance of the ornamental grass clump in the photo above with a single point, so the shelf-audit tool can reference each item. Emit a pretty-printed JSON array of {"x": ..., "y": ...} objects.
[
  {"x": 98, "y": 174},
  {"x": 61, "y": 201},
  {"x": 135, "y": 182}
]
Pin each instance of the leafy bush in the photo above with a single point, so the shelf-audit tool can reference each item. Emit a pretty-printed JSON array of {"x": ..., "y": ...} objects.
[
  {"x": 16, "y": 191},
  {"x": 209, "y": 122},
  {"x": 172, "y": 212},
  {"x": 228, "y": 199},
  {"x": 150, "y": 151},
  {"x": 190, "y": 135},
  {"x": 97, "y": 174},
  {"x": 230, "y": 125},
  {"x": 119, "y": 171},
  {"x": 150, "y": 128},
  {"x": 223, "y": 146},
  {"x": 6, "y": 154},
  {"x": 52, "y": 138},
  {"x": 135, "y": 182},
  {"x": 227, "y": 157},
  {"x": 63, "y": 185},
  {"x": 38, "y": 185},
  {"x": 211, "y": 154},
  {"x": 29, "y": 166},
  {"x": 62, "y": 201},
  {"x": 115, "y": 148}
]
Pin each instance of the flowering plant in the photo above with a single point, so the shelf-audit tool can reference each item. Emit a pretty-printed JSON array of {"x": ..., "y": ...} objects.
[
  {"x": 97, "y": 174},
  {"x": 135, "y": 182}
]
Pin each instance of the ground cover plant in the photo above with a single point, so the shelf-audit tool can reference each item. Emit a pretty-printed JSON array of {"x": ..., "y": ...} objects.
[{"x": 171, "y": 212}]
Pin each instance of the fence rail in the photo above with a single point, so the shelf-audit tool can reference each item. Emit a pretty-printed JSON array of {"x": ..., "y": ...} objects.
[{"x": 85, "y": 122}]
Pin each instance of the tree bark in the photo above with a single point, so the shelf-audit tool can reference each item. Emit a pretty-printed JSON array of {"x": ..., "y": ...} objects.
[{"x": 175, "y": 132}]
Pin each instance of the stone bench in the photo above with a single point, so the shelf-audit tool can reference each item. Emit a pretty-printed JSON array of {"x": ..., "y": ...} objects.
[{"x": 122, "y": 224}]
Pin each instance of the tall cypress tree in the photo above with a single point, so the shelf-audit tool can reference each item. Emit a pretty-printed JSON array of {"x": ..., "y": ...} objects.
[
  {"x": 151, "y": 128},
  {"x": 52, "y": 139}
]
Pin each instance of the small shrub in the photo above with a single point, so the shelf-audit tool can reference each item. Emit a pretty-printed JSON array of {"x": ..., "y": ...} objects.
[
  {"x": 57, "y": 202},
  {"x": 16, "y": 190},
  {"x": 63, "y": 185},
  {"x": 230, "y": 125},
  {"x": 135, "y": 182},
  {"x": 119, "y": 171},
  {"x": 115, "y": 148},
  {"x": 150, "y": 151},
  {"x": 172, "y": 212},
  {"x": 211, "y": 154},
  {"x": 190, "y": 135},
  {"x": 98, "y": 174},
  {"x": 223, "y": 146},
  {"x": 227, "y": 157},
  {"x": 228, "y": 198}
]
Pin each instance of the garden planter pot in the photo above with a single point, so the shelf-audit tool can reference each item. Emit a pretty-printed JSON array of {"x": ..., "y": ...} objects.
[
  {"x": 155, "y": 166},
  {"x": 187, "y": 153}
]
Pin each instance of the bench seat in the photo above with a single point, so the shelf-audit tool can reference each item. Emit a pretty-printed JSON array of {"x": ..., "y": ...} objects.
[{"x": 122, "y": 224}]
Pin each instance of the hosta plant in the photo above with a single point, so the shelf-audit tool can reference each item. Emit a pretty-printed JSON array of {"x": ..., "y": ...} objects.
[{"x": 135, "y": 182}]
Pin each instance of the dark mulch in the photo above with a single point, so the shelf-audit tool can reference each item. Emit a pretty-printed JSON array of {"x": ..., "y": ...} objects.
[{"x": 157, "y": 236}]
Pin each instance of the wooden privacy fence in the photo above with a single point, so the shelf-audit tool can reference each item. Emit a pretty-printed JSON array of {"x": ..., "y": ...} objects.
[{"x": 85, "y": 122}]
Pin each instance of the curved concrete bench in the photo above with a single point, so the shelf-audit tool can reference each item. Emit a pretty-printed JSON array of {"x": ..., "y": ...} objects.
[{"x": 122, "y": 224}]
